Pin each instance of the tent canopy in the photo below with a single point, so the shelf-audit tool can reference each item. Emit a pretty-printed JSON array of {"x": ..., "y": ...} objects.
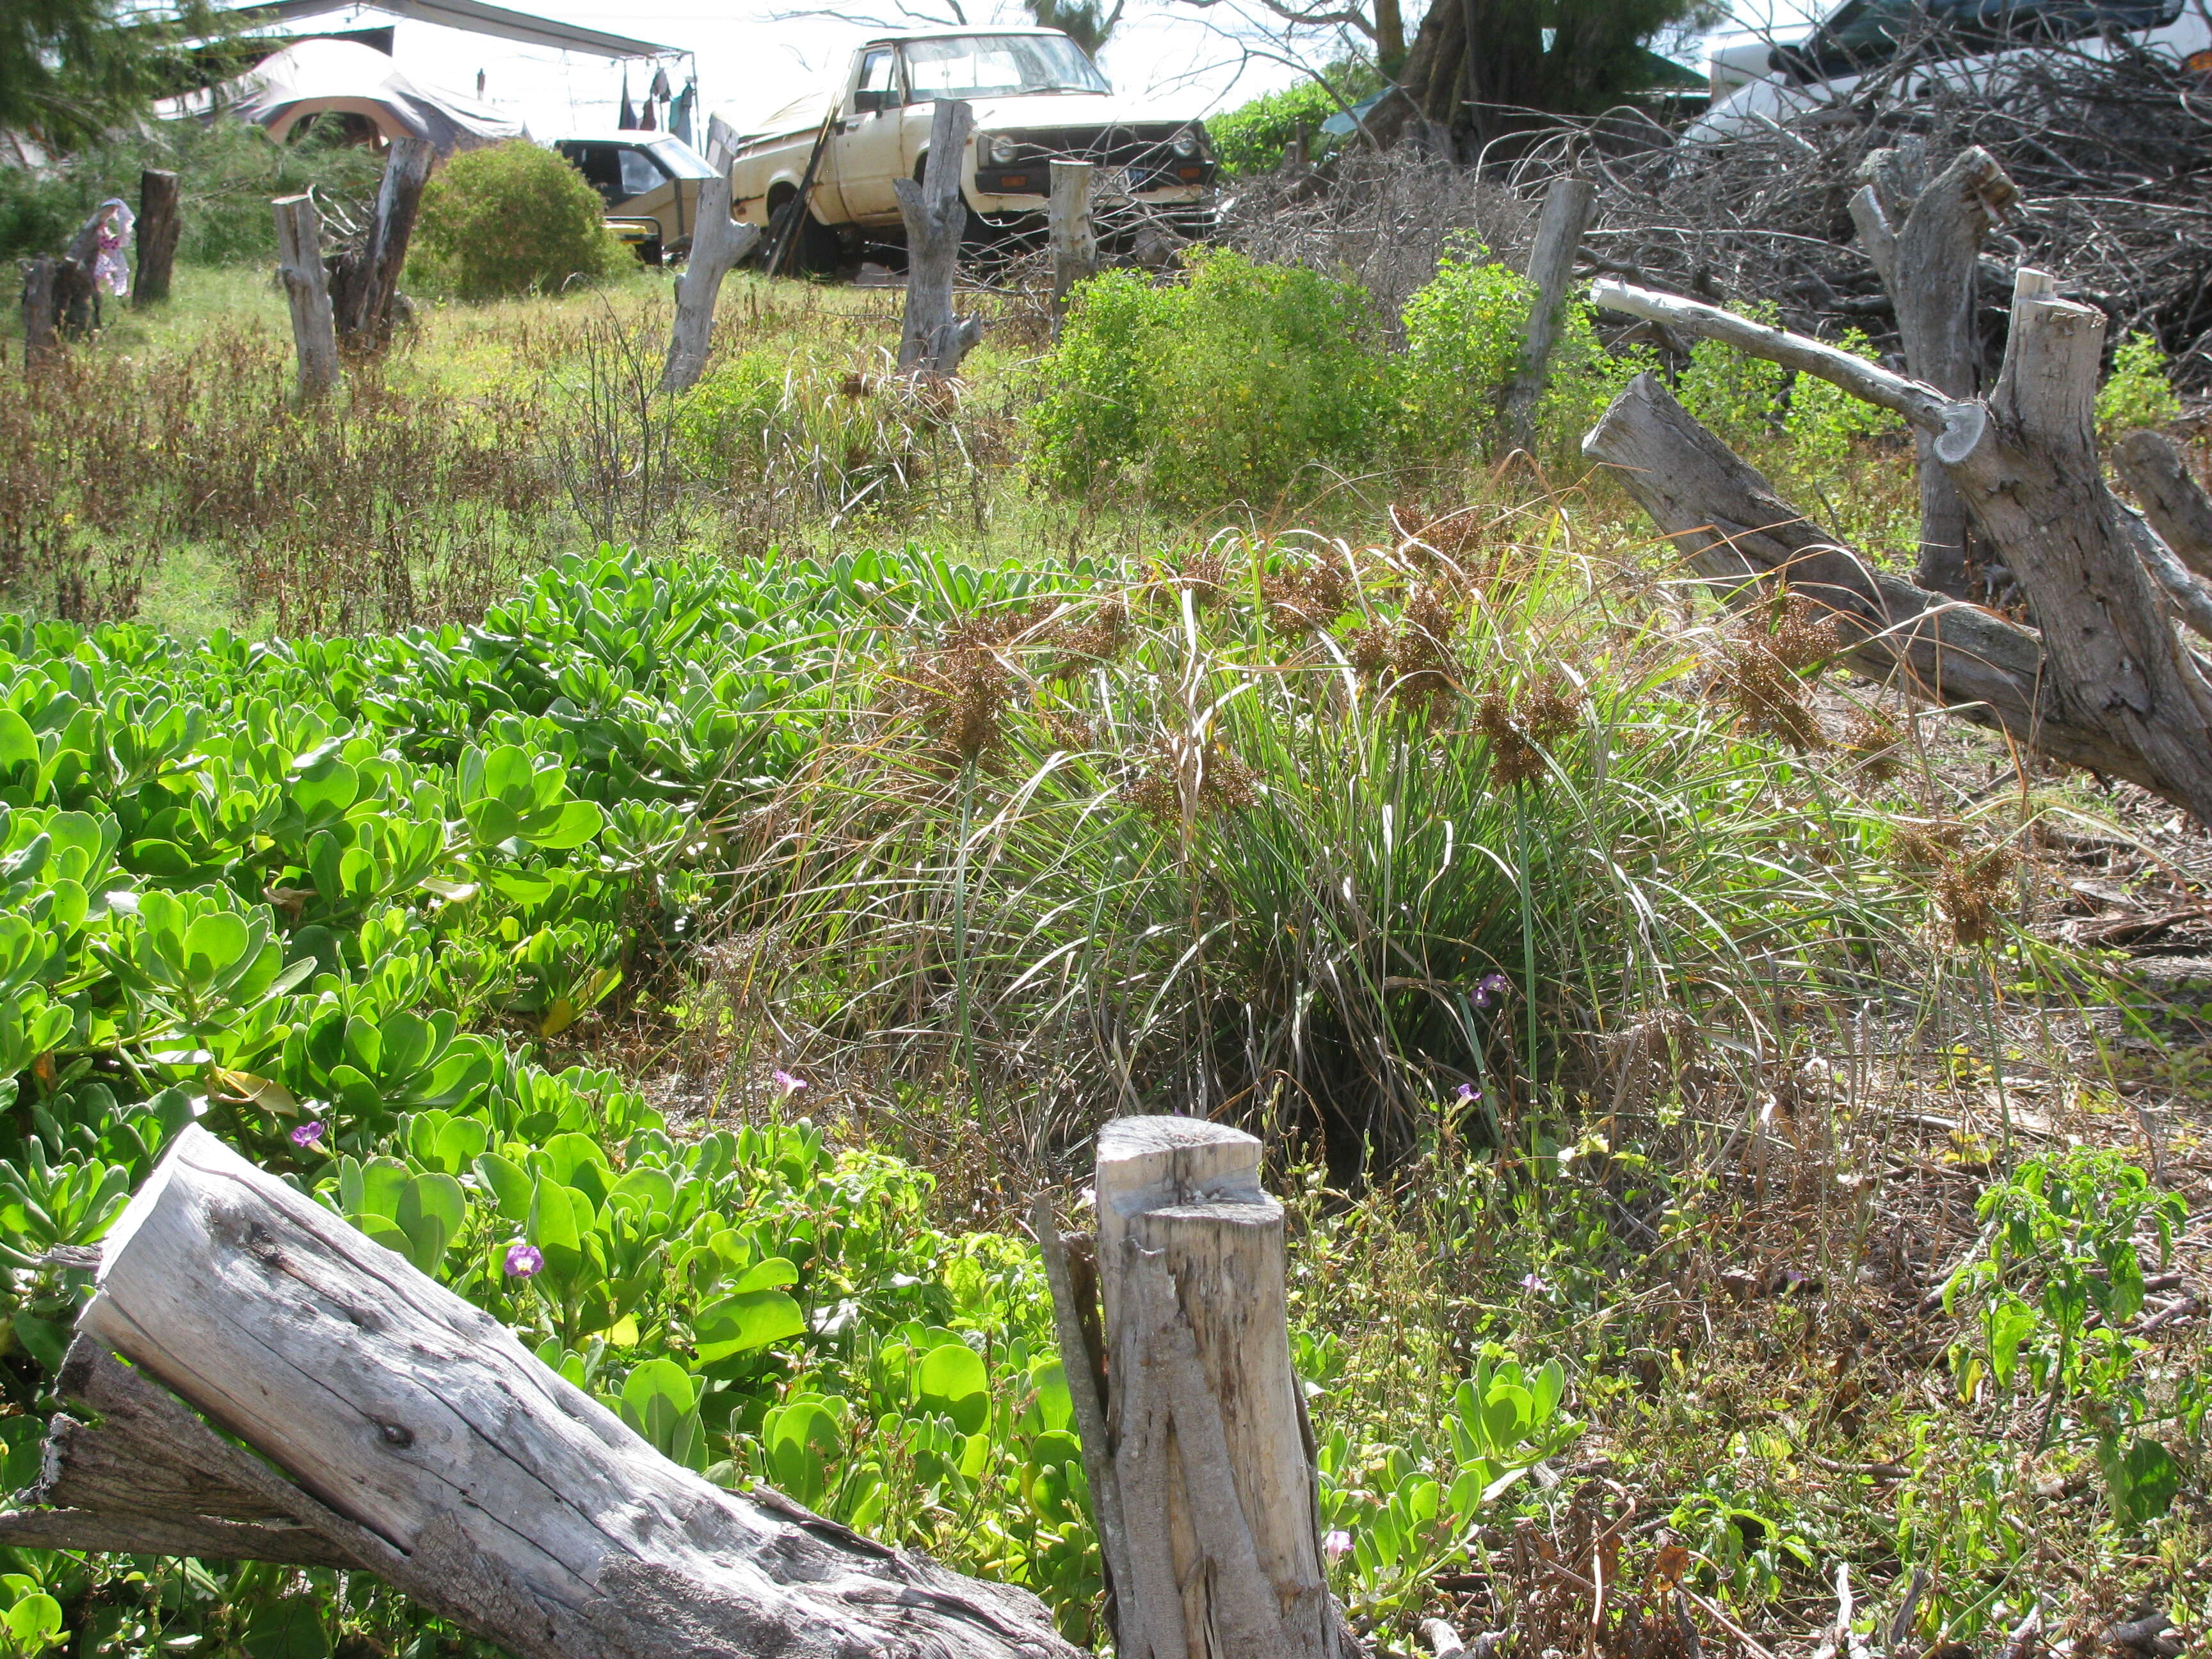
[
  {"x": 476, "y": 17},
  {"x": 309, "y": 77}
]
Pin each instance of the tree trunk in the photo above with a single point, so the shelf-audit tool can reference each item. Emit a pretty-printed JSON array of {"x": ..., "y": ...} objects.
[
  {"x": 2172, "y": 500},
  {"x": 1073, "y": 236},
  {"x": 2115, "y": 688},
  {"x": 299, "y": 266},
  {"x": 1923, "y": 240},
  {"x": 157, "y": 236},
  {"x": 364, "y": 284},
  {"x": 1559, "y": 227},
  {"x": 717, "y": 244},
  {"x": 412, "y": 1436},
  {"x": 933, "y": 340},
  {"x": 1212, "y": 1456}
]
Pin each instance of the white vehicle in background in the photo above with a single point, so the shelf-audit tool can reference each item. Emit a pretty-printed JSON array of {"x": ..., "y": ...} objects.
[
  {"x": 1931, "y": 44},
  {"x": 1036, "y": 97}
]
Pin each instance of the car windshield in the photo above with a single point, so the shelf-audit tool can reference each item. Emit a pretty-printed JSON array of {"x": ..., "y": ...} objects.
[
  {"x": 998, "y": 66},
  {"x": 681, "y": 160},
  {"x": 1866, "y": 33}
]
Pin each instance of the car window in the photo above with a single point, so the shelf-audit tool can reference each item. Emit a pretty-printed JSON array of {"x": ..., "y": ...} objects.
[
  {"x": 878, "y": 76},
  {"x": 998, "y": 66},
  {"x": 679, "y": 160},
  {"x": 640, "y": 173},
  {"x": 600, "y": 169}
]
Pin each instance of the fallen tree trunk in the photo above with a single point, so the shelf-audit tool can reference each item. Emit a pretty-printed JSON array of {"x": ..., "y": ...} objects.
[
  {"x": 2172, "y": 500},
  {"x": 2118, "y": 689},
  {"x": 413, "y": 1437}
]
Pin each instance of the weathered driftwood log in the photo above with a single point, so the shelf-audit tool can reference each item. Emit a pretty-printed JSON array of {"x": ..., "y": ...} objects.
[
  {"x": 1560, "y": 226},
  {"x": 157, "y": 229},
  {"x": 365, "y": 284},
  {"x": 2172, "y": 500},
  {"x": 1213, "y": 1459},
  {"x": 1074, "y": 235},
  {"x": 933, "y": 340},
  {"x": 409, "y": 1434},
  {"x": 717, "y": 243},
  {"x": 299, "y": 267},
  {"x": 1924, "y": 239},
  {"x": 2118, "y": 691}
]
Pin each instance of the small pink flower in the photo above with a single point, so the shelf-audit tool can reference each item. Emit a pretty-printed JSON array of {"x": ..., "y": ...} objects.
[
  {"x": 788, "y": 1084},
  {"x": 523, "y": 1261},
  {"x": 1532, "y": 1283},
  {"x": 308, "y": 1133},
  {"x": 1337, "y": 1543}
]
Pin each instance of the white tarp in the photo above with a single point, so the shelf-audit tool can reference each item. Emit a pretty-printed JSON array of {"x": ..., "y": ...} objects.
[{"x": 311, "y": 76}]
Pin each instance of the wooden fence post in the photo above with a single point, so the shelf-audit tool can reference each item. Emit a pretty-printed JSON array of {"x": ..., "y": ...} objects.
[
  {"x": 1560, "y": 226},
  {"x": 933, "y": 340},
  {"x": 1925, "y": 240},
  {"x": 41, "y": 308},
  {"x": 1074, "y": 237},
  {"x": 1212, "y": 1457},
  {"x": 367, "y": 281},
  {"x": 299, "y": 265},
  {"x": 718, "y": 242},
  {"x": 157, "y": 236}
]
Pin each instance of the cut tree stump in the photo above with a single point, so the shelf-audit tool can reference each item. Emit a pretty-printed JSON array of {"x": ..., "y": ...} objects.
[
  {"x": 408, "y": 1434},
  {"x": 365, "y": 284},
  {"x": 2119, "y": 690},
  {"x": 1073, "y": 235},
  {"x": 717, "y": 243},
  {"x": 299, "y": 267},
  {"x": 1212, "y": 1457},
  {"x": 1560, "y": 227},
  {"x": 1924, "y": 239},
  {"x": 157, "y": 229},
  {"x": 932, "y": 340}
]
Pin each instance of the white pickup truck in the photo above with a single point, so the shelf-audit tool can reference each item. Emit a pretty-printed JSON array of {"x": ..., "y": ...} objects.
[{"x": 1035, "y": 96}]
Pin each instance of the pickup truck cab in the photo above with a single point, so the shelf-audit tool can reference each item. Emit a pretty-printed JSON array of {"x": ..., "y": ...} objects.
[
  {"x": 1035, "y": 96},
  {"x": 649, "y": 181},
  {"x": 1966, "y": 46}
]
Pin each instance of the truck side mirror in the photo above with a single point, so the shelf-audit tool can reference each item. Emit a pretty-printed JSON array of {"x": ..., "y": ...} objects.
[{"x": 868, "y": 100}]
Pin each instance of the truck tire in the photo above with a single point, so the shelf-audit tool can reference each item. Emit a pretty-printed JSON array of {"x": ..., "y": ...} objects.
[{"x": 820, "y": 250}]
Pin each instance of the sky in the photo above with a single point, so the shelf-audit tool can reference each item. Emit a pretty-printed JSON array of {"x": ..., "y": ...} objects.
[{"x": 754, "y": 56}]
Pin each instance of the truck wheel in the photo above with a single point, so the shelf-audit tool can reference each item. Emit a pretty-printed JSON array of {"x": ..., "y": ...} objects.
[{"x": 820, "y": 251}]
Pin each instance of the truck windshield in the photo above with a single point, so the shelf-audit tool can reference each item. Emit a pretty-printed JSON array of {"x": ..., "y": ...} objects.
[{"x": 998, "y": 66}]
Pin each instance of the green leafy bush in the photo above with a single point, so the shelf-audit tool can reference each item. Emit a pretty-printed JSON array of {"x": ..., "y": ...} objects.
[
  {"x": 1228, "y": 385},
  {"x": 1252, "y": 138},
  {"x": 1463, "y": 336},
  {"x": 510, "y": 219},
  {"x": 2138, "y": 392}
]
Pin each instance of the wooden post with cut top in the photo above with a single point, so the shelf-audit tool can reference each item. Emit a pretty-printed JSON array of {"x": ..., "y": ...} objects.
[
  {"x": 933, "y": 340},
  {"x": 307, "y": 284},
  {"x": 1560, "y": 225},
  {"x": 1213, "y": 1488},
  {"x": 41, "y": 310},
  {"x": 1073, "y": 235},
  {"x": 718, "y": 242},
  {"x": 157, "y": 229},
  {"x": 365, "y": 287}
]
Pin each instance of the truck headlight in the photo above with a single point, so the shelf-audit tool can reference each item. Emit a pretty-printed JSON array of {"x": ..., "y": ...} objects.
[
  {"x": 1002, "y": 149},
  {"x": 1185, "y": 143}
]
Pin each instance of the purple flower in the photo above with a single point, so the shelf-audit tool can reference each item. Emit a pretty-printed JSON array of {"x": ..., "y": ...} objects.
[
  {"x": 1534, "y": 1285},
  {"x": 1492, "y": 988},
  {"x": 788, "y": 1084},
  {"x": 1469, "y": 1095},
  {"x": 522, "y": 1260},
  {"x": 1337, "y": 1543},
  {"x": 308, "y": 1133}
]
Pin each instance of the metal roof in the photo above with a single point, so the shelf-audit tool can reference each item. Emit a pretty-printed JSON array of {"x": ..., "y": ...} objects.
[{"x": 473, "y": 15}]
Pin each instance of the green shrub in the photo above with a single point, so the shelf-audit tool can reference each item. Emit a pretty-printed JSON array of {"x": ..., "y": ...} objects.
[
  {"x": 2138, "y": 393},
  {"x": 1225, "y": 386},
  {"x": 1252, "y": 138},
  {"x": 1737, "y": 396},
  {"x": 1462, "y": 345},
  {"x": 508, "y": 220}
]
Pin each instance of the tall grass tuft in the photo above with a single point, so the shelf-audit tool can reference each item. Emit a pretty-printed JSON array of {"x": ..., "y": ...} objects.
[{"x": 1230, "y": 856}]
